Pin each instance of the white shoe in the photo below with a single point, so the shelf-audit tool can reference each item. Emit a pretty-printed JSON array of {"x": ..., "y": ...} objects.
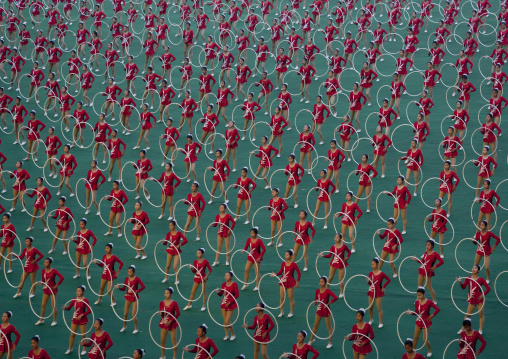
[
  {"x": 210, "y": 202},
  {"x": 143, "y": 258},
  {"x": 380, "y": 326},
  {"x": 246, "y": 222},
  {"x": 160, "y": 217},
  {"x": 353, "y": 250},
  {"x": 51, "y": 251},
  {"x": 164, "y": 280},
  {"x": 429, "y": 355},
  {"x": 232, "y": 338},
  {"x": 329, "y": 346},
  {"x": 295, "y": 206},
  {"x": 203, "y": 309},
  {"x": 214, "y": 264},
  {"x": 415, "y": 194},
  {"x": 290, "y": 315},
  {"x": 341, "y": 295},
  {"x": 403, "y": 232},
  {"x": 269, "y": 244},
  {"x": 187, "y": 307},
  {"x": 54, "y": 323},
  {"x": 135, "y": 331},
  {"x": 255, "y": 289},
  {"x": 280, "y": 245},
  {"x": 280, "y": 315},
  {"x": 39, "y": 322},
  {"x": 368, "y": 211},
  {"x": 244, "y": 287},
  {"x": 395, "y": 275},
  {"x": 267, "y": 187},
  {"x": 123, "y": 329},
  {"x": 97, "y": 302},
  {"x": 305, "y": 269},
  {"x": 68, "y": 351},
  {"x": 17, "y": 295},
  {"x": 64, "y": 253},
  {"x": 325, "y": 227},
  {"x": 138, "y": 256},
  {"x": 113, "y": 305},
  {"x": 442, "y": 256},
  {"x": 382, "y": 176},
  {"x": 227, "y": 263},
  {"x": 225, "y": 338},
  {"x": 76, "y": 276},
  {"x": 83, "y": 352}
]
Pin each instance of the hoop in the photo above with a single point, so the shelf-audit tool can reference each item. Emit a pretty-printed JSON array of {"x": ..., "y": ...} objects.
[
  {"x": 193, "y": 208},
  {"x": 495, "y": 212},
  {"x": 278, "y": 215},
  {"x": 495, "y": 288},
  {"x": 421, "y": 319},
  {"x": 67, "y": 325},
  {"x": 57, "y": 161},
  {"x": 362, "y": 174},
  {"x": 296, "y": 126},
  {"x": 400, "y": 280},
  {"x": 392, "y": 136},
  {"x": 453, "y": 66},
  {"x": 96, "y": 345},
  {"x": 137, "y": 170},
  {"x": 8, "y": 344},
  {"x": 331, "y": 314},
  {"x": 125, "y": 234},
  {"x": 453, "y": 300},
  {"x": 232, "y": 270},
  {"x": 329, "y": 201},
  {"x": 53, "y": 234},
  {"x": 291, "y": 177},
  {"x": 335, "y": 256},
  {"x": 280, "y": 283},
  {"x": 337, "y": 215},
  {"x": 457, "y": 246},
  {"x": 124, "y": 213},
  {"x": 96, "y": 261},
  {"x": 277, "y": 246},
  {"x": 269, "y": 313},
  {"x": 464, "y": 177},
  {"x": 208, "y": 241},
  {"x": 215, "y": 171},
  {"x": 345, "y": 300},
  {"x": 5, "y": 272},
  {"x": 208, "y": 355},
  {"x": 20, "y": 248},
  {"x": 237, "y": 312},
  {"x": 374, "y": 246},
  {"x": 240, "y": 189},
  {"x": 418, "y": 170},
  {"x": 148, "y": 198},
  {"x": 339, "y": 141},
  {"x": 492, "y": 132},
  {"x": 396, "y": 202},
  {"x": 312, "y": 166},
  {"x": 405, "y": 79},
  {"x": 448, "y": 221},
  {"x": 155, "y": 255},
  {"x": 30, "y": 300},
  {"x": 75, "y": 264},
  {"x": 76, "y": 190},
  {"x": 500, "y": 230},
  {"x": 421, "y": 192},
  {"x": 370, "y": 340},
  {"x": 200, "y": 276},
  {"x": 135, "y": 295},
  {"x": 150, "y": 330},
  {"x": 460, "y": 340}
]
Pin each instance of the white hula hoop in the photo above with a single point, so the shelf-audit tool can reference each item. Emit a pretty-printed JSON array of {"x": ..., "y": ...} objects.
[
  {"x": 370, "y": 340},
  {"x": 95, "y": 261},
  {"x": 374, "y": 246},
  {"x": 457, "y": 246},
  {"x": 128, "y": 288},
  {"x": 495, "y": 289},
  {"x": 171, "y": 244},
  {"x": 269, "y": 313},
  {"x": 345, "y": 300},
  {"x": 125, "y": 234},
  {"x": 95, "y": 345},
  {"x": 67, "y": 325},
  {"x": 280, "y": 283},
  {"x": 459, "y": 340},
  {"x": 331, "y": 314},
  {"x": 30, "y": 300},
  {"x": 124, "y": 213},
  {"x": 232, "y": 270},
  {"x": 150, "y": 330},
  {"x": 453, "y": 300},
  {"x": 208, "y": 241},
  {"x": 334, "y": 256},
  {"x": 447, "y": 221},
  {"x": 421, "y": 319},
  {"x": 5, "y": 272},
  {"x": 211, "y": 317},
  {"x": 329, "y": 201},
  {"x": 196, "y": 273},
  {"x": 400, "y": 280}
]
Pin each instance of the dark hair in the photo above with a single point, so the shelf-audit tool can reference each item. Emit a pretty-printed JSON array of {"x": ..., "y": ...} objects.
[
  {"x": 203, "y": 327},
  {"x": 141, "y": 352}
]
